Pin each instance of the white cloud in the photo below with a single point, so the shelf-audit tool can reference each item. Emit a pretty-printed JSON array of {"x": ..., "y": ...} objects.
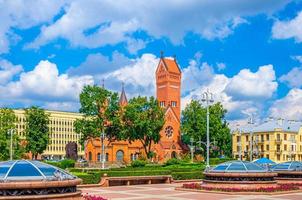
[
  {"x": 221, "y": 66},
  {"x": 138, "y": 77},
  {"x": 97, "y": 23},
  {"x": 293, "y": 77},
  {"x": 8, "y": 71},
  {"x": 44, "y": 84},
  {"x": 298, "y": 58},
  {"x": 23, "y": 15},
  {"x": 260, "y": 85},
  {"x": 134, "y": 45},
  {"x": 98, "y": 64},
  {"x": 62, "y": 106},
  {"x": 195, "y": 75},
  {"x": 288, "y": 29},
  {"x": 289, "y": 107}
]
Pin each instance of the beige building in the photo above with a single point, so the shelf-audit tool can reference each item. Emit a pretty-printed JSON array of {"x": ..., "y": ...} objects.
[
  {"x": 279, "y": 140},
  {"x": 61, "y": 132}
]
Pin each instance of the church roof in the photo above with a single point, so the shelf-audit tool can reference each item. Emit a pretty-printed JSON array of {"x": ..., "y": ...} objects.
[
  {"x": 123, "y": 98},
  {"x": 171, "y": 65}
]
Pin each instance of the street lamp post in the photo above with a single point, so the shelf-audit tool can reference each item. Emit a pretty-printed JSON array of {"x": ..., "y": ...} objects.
[
  {"x": 192, "y": 150},
  {"x": 207, "y": 97},
  {"x": 251, "y": 138},
  {"x": 11, "y": 144},
  {"x": 103, "y": 149}
]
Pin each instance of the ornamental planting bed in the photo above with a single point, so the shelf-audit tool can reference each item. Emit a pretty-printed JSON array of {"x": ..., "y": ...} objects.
[{"x": 280, "y": 189}]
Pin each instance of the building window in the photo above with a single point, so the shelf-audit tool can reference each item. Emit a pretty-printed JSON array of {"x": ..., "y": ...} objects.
[
  {"x": 267, "y": 137},
  {"x": 285, "y": 137},
  {"x": 99, "y": 157},
  {"x": 278, "y": 157},
  {"x": 285, "y": 147},
  {"x": 90, "y": 156},
  {"x": 238, "y": 138},
  {"x": 173, "y": 103},
  {"x": 247, "y": 138},
  {"x": 267, "y": 147},
  {"x": 169, "y": 131},
  {"x": 267, "y": 156},
  {"x": 162, "y": 104}
]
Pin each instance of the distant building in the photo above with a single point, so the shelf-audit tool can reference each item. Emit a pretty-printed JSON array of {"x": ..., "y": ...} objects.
[
  {"x": 279, "y": 140},
  {"x": 61, "y": 132},
  {"x": 168, "y": 91}
]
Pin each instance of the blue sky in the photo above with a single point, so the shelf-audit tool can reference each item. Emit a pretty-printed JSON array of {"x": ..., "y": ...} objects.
[{"x": 248, "y": 53}]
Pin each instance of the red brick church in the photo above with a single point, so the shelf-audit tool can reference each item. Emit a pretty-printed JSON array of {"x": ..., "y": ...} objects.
[{"x": 168, "y": 90}]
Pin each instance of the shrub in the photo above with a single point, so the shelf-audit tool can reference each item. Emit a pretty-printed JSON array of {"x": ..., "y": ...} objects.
[
  {"x": 68, "y": 163},
  {"x": 173, "y": 161},
  {"x": 93, "y": 178},
  {"x": 216, "y": 161},
  {"x": 138, "y": 163},
  {"x": 92, "y": 197},
  {"x": 187, "y": 175},
  {"x": 63, "y": 164},
  {"x": 285, "y": 187}
]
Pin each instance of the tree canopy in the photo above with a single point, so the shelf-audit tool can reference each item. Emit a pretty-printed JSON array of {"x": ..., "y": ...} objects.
[
  {"x": 7, "y": 124},
  {"x": 143, "y": 120},
  {"x": 193, "y": 125},
  {"x": 36, "y": 130},
  {"x": 101, "y": 113}
]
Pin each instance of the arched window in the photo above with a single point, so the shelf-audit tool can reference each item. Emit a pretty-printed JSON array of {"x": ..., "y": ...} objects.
[
  {"x": 107, "y": 157},
  {"x": 119, "y": 156},
  {"x": 99, "y": 157},
  {"x": 169, "y": 131},
  {"x": 173, "y": 154},
  {"x": 90, "y": 156}
]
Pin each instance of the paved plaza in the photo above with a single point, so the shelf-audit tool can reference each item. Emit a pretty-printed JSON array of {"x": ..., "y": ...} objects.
[{"x": 168, "y": 192}]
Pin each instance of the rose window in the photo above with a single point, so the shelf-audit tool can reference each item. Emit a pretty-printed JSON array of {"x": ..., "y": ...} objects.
[{"x": 169, "y": 131}]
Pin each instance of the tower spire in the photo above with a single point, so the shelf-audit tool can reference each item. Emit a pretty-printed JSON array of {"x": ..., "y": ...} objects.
[{"x": 123, "y": 98}]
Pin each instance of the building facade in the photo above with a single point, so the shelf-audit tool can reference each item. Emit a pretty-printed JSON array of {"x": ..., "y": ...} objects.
[
  {"x": 279, "y": 140},
  {"x": 168, "y": 91},
  {"x": 61, "y": 132}
]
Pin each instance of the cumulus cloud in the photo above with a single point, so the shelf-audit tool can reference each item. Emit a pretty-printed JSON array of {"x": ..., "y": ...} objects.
[
  {"x": 289, "y": 107},
  {"x": 288, "y": 29},
  {"x": 98, "y": 64},
  {"x": 138, "y": 77},
  {"x": 23, "y": 15},
  {"x": 99, "y": 23},
  {"x": 293, "y": 77},
  {"x": 44, "y": 83},
  {"x": 8, "y": 71},
  {"x": 248, "y": 85}
]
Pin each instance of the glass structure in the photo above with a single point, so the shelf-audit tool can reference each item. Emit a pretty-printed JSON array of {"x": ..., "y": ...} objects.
[
  {"x": 27, "y": 170},
  {"x": 238, "y": 166},
  {"x": 288, "y": 166}
]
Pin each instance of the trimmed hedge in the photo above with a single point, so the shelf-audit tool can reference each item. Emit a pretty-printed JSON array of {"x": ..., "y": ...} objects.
[
  {"x": 63, "y": 164},
  {"x": 138, "y": 163},
  {"x": 94, "y": 178},
  {"x": 187, "y": 175},
  {"x": 88, "y": 178}
]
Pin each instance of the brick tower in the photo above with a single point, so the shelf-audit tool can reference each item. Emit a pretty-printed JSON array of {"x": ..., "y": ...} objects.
[{"x": 168, "y": 91}]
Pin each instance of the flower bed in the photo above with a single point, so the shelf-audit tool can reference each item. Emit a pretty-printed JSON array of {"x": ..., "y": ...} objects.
[
  {"x": 92, "y": 197},
  {"x": 279, "y": 188}
]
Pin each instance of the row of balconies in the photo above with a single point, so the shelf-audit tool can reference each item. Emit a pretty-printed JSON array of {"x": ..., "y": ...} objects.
[{"x": 262, "y": 141}]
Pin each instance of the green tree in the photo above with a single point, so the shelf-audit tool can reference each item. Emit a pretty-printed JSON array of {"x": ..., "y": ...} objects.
[
  {"x": 143, "y": 119},
  {"x": 7, "y": 123},
  {"x": 101, "y": 113},
  {"x": 193, "y": 125},
  {"x": 36, "y": 130}
]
